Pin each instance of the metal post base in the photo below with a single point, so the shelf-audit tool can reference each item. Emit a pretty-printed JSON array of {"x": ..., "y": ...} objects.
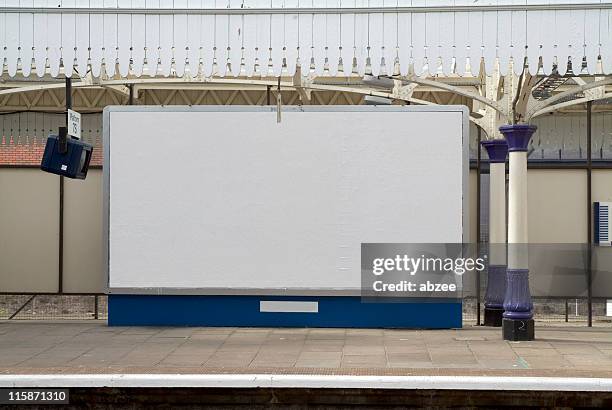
[
  {"x": 493, "y": 317},
  {"x": 518, "y": 330}
]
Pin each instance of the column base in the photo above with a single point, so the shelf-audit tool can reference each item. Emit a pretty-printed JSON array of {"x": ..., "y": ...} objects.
[
  {"x": 518, "y": 330},
  {"x": 493, "y": 317}
]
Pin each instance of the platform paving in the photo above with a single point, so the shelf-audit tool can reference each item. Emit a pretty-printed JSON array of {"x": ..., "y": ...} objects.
[{"x": 93, "y": 347}]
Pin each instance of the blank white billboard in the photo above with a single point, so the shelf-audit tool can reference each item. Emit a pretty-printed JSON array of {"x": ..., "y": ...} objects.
[{"x": 226, "y": 200}]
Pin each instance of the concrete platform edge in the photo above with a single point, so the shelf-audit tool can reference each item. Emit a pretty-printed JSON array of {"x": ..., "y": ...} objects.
[{"x": 311, "y": 381}]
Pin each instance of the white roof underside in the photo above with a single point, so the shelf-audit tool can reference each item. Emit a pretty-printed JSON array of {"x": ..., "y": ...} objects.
[{"x": 255, "y": 37}]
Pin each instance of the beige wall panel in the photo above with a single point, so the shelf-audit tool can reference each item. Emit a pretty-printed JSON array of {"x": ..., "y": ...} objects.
[
  {"x": 602, "y": 185},
  {"x": 472, "y": 204},
  {"x": 30, "y": 206},
  {"x": 83, "y": 264},
  {"x": 557, "y": 206},
  {"x": 29, "y": 230}
]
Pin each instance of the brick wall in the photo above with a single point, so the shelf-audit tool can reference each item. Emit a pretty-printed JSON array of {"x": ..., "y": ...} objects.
[{"x": 30, "y": 152}]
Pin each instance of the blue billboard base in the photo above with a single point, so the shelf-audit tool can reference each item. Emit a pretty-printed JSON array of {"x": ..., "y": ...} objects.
[{"x": 280, "y": 311}]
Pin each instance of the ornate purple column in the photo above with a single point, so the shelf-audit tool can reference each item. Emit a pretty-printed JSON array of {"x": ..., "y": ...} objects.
[
  {"x": 518, "y": 309},
  {"x": 497, "y": 151}
]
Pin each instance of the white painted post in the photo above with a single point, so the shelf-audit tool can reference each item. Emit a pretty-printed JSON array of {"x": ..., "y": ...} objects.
[{"x": 518, "y": 308}]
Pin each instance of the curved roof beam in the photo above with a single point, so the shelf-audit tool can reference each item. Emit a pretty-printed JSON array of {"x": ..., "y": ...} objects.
[
  {"x": 583, "y": 100},
  {"x": 538, "y": 107},
  {"x": 459, "y": 91}
]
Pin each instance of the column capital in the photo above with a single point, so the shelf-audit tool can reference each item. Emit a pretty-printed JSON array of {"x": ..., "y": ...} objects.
[
  {"x": 518, "y": 135},
  {"x": 496, "y": 149}
]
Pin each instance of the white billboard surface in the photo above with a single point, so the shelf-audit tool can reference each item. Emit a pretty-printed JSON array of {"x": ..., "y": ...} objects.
[{"x": 210, "y": 200}]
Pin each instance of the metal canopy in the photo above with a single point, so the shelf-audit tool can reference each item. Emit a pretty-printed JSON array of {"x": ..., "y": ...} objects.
[{"x": 204, "y": 38}]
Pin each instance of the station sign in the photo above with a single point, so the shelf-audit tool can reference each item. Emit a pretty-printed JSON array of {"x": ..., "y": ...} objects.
[{"x": 74, "y": 124}]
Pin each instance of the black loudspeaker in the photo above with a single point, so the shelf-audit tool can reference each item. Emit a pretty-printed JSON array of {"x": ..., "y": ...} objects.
[{"x": 66, "y": 156}]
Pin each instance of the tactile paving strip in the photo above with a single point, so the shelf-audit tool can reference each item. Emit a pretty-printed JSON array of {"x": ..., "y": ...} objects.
[{"x": 312, "y": 371}]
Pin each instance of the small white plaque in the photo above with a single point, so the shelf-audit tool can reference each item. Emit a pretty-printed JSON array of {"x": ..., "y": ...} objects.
[
  {"x": 74, "y": 124},
  {"x": 288, "y": 306}
]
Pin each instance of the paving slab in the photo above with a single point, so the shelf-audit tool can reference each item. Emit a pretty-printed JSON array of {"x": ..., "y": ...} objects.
[{"x": 78, "y": 348}]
